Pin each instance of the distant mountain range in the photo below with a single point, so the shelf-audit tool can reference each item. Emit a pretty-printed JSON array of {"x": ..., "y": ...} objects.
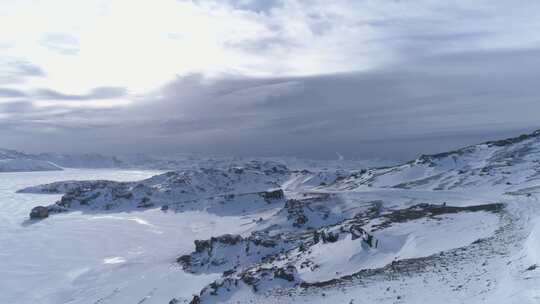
[
  {"x": 34, "y": 162},
  {"x": 57, "y": 161}
]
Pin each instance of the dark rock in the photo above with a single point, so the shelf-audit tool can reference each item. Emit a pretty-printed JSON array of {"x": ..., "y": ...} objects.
[
  {"x": 39, "y": 212},
  {"x": 195, "y": 300},
  {"x": 202, "y": 245},
  {"x": 273, "y": 195},
  {"x": 228, "y": 239},
  {"x": 424, "y": 210},
  {"x": 285, "y": 273},
  {"x": 185, "y": 260},
  {"x": 316, "y": 237},
  {"x": 295, "y": 210},
  {"x": 249, "y": 279},
  {"x": 358, "y": 232},
  {"x": 329, "y": 237},
  {"x": 207, "y": 245},
  {"x": 145, "y": 203}
]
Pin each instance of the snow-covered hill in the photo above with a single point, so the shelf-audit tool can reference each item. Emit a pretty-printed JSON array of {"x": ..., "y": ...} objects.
[
  {"x": 15, "y": 161},
  {"x": 456, "y": 227},
  {"x": 66, "y": 160},
  {"x": 26, "y": 165}
]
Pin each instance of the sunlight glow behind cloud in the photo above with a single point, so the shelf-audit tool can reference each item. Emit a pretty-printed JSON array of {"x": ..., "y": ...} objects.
[{"x": 193, "y": 70}]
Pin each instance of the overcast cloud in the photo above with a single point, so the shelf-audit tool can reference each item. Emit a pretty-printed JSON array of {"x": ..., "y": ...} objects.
[{"x": 366, "y": 79}]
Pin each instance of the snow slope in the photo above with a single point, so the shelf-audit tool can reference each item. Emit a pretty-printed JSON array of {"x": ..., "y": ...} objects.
[{"x": 495, "y": 164}]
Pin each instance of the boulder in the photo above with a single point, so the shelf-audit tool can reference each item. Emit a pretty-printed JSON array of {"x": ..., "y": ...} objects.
[{"x": 39, "y": 212}]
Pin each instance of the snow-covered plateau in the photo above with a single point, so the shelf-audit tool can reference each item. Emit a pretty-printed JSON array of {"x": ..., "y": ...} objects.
[{"x": 455, "y": 227}]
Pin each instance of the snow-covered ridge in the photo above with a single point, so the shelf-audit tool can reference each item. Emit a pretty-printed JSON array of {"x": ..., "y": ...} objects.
[{"x": 508, "y": 164}]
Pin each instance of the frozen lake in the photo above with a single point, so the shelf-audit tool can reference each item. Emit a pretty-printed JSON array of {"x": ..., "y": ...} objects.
[{"x": 96, "y": 258}]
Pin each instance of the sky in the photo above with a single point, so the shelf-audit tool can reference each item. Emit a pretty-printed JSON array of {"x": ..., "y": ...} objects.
[{"x": 365, "y": 79}]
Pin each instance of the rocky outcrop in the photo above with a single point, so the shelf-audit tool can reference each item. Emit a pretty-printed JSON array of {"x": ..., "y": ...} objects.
[
  {"x": 232, "y": 252},
  {"x": 258, "y": 280},
  {"x": 425, "y": 210},
  {"x": 273, "y": 194},
  {"x": 295, "y": 212},
  {"x": 41, "y": 212},
  {"x": 204, "y": 189}
]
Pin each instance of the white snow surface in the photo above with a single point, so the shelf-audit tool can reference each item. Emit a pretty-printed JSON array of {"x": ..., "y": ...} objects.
[
  {"x": 100, "y": 258},
  {"x": 413, "y": 239}
]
